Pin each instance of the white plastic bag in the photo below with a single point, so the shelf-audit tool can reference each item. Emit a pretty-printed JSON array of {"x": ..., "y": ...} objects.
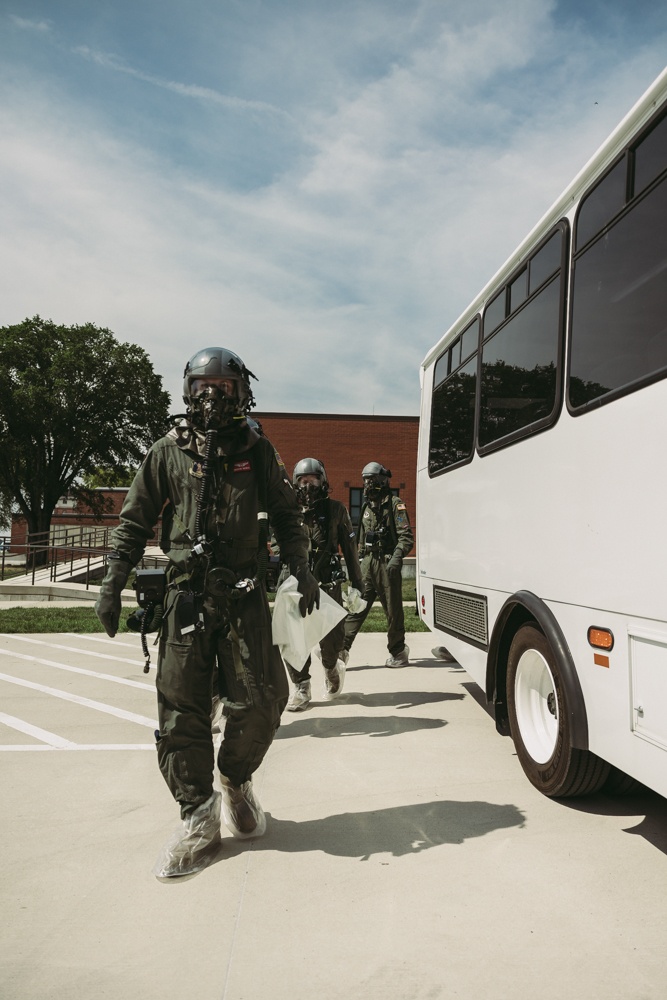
[
  {"x": 295, "y": 636},
  {"x": 353, "y": 601}
]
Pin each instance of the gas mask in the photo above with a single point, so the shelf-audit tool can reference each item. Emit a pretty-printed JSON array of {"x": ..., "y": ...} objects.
[
  {"x": 213, "y": 408},
  {"x": 375, "y": 488},
  {"x": 309, "y": 493}
]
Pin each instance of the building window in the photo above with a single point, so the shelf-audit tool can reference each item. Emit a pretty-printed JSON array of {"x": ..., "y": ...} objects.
[{"x": 356, "y": 500}]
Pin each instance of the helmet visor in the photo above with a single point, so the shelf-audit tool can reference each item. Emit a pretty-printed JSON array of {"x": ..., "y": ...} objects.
[{"x": 224, "y": 385}]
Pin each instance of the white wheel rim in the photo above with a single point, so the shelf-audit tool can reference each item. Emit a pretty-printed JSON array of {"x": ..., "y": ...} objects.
[{"x": 534, "y": 699}]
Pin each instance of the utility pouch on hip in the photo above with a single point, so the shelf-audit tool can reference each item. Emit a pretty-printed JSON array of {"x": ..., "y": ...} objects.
[{"x": 187, "y": 614}]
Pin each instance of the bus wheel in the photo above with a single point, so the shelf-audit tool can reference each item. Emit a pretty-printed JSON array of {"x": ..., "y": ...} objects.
[
  {"x": 620, "y": 783},
  {"x": 539, "y": 722}
]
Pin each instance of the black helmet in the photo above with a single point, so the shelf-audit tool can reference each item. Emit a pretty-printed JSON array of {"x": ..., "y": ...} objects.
[
  {"x": 216, "y": 387},
  {"x": 308, "y": 493},
  {"x": 376, "y": 481}
]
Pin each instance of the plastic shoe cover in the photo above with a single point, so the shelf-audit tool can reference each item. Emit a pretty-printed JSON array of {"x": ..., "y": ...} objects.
[
  {"x": 442, "y": 653},
  {"x": 344, "y": 655},
  {"x": 400, "y": 659},
  {"x": 216, "y": 715},
  {"x": 299, "y": 698},
  {"x": 194, "y": 844},
  {"x": 334, "y": 679},
  {"x": 241, "y": 811}
]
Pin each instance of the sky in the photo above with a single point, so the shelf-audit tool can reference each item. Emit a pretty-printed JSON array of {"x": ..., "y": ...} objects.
[{"x": 321, "y": 186}]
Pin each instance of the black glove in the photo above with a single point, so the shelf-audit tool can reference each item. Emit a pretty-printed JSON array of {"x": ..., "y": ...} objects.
[
  {"x": 108, "y": 604},
  {"x": 395, "y": 563},
  {"x": 308, "y": 587}
]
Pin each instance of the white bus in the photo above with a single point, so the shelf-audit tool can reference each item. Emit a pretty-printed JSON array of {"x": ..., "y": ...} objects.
[{"x": 542, "y": 477}]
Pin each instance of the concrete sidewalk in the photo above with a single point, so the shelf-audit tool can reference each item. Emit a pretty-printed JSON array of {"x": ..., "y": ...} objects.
[{"x": 406, "y": 856}]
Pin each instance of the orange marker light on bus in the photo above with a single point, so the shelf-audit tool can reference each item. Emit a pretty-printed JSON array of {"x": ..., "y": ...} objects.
[{"x": 600, "y": 638}]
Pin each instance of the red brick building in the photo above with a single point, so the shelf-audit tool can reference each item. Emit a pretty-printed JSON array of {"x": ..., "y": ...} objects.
[{"x": 344, "y": 443}]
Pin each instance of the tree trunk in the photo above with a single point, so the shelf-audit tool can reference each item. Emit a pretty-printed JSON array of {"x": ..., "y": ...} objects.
[{"x": 39, "y": 526}]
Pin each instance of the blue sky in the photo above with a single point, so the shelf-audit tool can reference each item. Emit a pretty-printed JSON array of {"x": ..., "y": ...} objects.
[{"x": 320, "y": 185}]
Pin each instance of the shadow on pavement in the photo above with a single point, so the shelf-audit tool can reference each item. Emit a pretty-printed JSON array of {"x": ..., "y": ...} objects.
[
  {"x": 398, "y": 830},
  {"x": 428, "y": 662},
  {"x": 478, "y": 695},
  {"x": 333, "y": 726},
  {"x": 396, "y": 699},
  {"x": 653, "y": 827}
]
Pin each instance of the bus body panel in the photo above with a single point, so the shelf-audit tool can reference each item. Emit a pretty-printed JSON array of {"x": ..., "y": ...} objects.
[
  {"x": 573, "y": 514},
  {"x": 569, "y": 514}
]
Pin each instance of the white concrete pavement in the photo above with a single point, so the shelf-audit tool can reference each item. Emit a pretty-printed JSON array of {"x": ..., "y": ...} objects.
[{"x": 406, "y": 855}]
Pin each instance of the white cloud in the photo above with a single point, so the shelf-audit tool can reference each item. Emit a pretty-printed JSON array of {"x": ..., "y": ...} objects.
[
  {"x": 410, "y": 187},
  {"x": 27, "y": 25},
  {"x": 206, "y": 94}
]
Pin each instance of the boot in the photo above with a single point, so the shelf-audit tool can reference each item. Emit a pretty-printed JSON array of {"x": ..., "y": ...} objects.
[
  {"x": 442, "y": 653},
  {"x": 194, "y": 844},
  {"x": 241, "y": 811},
  {"x": 300, "y": 697},
  {"x": 398, "y": 659},
  {"x": 334, "y": 678}
]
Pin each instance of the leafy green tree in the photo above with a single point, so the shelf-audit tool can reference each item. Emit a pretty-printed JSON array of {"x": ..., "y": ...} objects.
[
  {"x": 104, "y": 476},
  {"x": 72, "y": 399}
]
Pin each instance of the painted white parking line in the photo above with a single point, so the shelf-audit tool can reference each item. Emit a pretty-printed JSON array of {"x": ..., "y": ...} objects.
[
  {"x": 120, "y": 713},
  {"x": 103, "y": 638},
  {"x": 54, "y": 742},
  {"x": 78, "y": 670},
  {"x": 77, "y": 649},
  {"x": 27, "y": 748}
]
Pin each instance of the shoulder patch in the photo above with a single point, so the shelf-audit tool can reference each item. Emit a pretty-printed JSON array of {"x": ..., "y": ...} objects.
[
  {"x": 400, "y": 506},
  {"x": 278, "y": 458}
]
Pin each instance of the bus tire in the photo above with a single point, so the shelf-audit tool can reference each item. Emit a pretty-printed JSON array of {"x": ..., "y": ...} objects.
[
  {"x": 620, "y": 783},
  {"x": 539, "y": 721}
]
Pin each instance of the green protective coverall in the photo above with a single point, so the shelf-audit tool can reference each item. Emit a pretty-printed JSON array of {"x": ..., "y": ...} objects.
[
  {"x": 330, "y": 531},
  {"x": 385, "y": 538},
  {"x": 234, "y": 649}
]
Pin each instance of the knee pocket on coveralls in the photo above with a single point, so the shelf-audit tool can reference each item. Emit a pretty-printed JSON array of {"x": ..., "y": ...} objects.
[
  {"x": 182, "y": 673},
  {"x": 187, "y": 770}
]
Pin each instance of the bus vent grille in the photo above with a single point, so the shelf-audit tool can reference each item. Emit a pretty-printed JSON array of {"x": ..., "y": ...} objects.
[{"x": 461, "y": 613}]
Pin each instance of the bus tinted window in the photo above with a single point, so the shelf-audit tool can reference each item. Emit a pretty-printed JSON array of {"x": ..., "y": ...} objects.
[
  {"x": 441, "y": 370},
  {"x": 546, "y": 261},
  {"x": 519, "y": 290},
  {"x": 470, "y": 340},
  {"x": 494, "y": 313},
  {"x": 519, "y": 368},
  {"x": 453, "y": 419},
  {"x": 619, "y": 312},
  {"x": 651, "y": 156},
  {"x": 455, "y": 351},
  {"x": 602, "y": 204}
]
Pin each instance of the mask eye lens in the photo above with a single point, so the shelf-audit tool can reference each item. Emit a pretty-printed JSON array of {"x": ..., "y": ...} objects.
[{"x": 226, "y": 386}]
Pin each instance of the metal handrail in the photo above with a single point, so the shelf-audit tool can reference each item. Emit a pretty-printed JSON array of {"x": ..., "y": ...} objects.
[{"x": 59, "y": 551}]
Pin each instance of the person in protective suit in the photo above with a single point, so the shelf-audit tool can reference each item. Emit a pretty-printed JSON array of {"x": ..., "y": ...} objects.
[
  {"x": 384, "y": 537},
  {"x": 216, "y": 482},
  {"x": 330, "y": 529}
]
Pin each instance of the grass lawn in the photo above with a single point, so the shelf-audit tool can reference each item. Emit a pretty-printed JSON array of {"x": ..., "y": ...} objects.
[
  {"x": 12, "y": 571},
  {"x": 58, "y": 618}
]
